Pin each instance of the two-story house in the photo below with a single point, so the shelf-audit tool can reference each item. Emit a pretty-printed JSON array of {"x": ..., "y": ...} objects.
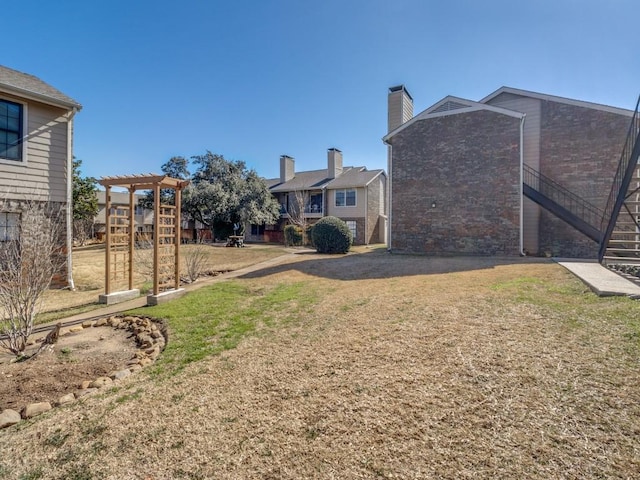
[
  {"x": 353, "y": 194},
  {"x": 36, "y": 154}
]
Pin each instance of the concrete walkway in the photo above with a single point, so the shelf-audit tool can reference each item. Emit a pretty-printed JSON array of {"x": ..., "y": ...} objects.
[{"x": 601, "y": 280}]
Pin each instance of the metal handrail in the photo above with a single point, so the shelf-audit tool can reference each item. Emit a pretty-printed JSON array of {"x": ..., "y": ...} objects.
[
  {"x": 621, "y": 181},
  {"x": 578, "y": 206}
]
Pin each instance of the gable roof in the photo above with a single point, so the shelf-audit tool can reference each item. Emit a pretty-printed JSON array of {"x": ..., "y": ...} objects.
[
  {"x": 553, "y": 98},
  {"x": 350, "y": 177},
  {"x": 451, "y": 105},
  {"x": 354, "y": 177},
  {"x": 312, "y": 179},
  {"x": 30, "y": 86}
]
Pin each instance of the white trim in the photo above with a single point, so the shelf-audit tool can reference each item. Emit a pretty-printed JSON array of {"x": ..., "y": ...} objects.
[
  {"x": 27, "y": 94},
  {"x": 25, "y": 135},
  {"x": 472, "y": 107},
  {"x": 521, "y": 242},
  {"x": 335, "y": 197},
  {"x": 553, "y": 98}
]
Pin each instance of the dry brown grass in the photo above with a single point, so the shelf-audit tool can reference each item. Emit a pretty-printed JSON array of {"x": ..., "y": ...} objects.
[
  {"x": 88, "y": 274},
  {"x": 407, "y": 367}
]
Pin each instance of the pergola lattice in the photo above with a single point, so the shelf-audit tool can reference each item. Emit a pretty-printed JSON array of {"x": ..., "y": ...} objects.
[{"x": 120, "y": 232}]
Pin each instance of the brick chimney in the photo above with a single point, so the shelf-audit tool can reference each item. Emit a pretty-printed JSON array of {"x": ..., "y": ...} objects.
[
  {"x": 287, "y": 168},
  {"x": 400, "y": 107},
  {"x": 334, "y": 163}
]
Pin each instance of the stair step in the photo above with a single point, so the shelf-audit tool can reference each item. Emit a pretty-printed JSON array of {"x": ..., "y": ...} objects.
[
  {"x": 624, "y": 242},
  {"x": 628, "y": 251},
  {"x": 621, "y": 260}
]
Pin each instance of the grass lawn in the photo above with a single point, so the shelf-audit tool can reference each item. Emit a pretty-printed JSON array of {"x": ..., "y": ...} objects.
[
  {"x": 88, "y": 274},
  {"x": 367, "y": 365}
]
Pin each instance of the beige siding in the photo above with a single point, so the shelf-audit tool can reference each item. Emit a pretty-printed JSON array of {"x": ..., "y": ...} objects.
[
  {"x": 45, "y": 172},
  {"x": 347, "y": 212},
  {"x": 531, "y": 211}
]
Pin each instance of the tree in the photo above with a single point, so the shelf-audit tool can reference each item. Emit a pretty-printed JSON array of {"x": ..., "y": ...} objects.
[
  {"x": 85, "y": 203},
  {"x": 28, "y": 261},
  {"x": 223, "y": 192},
  {"x": 296, "y": 207},
  {"x": 175, "y": 167}
]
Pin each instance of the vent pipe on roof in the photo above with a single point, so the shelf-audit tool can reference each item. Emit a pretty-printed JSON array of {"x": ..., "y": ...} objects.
[
  {"x": 287, "y": 168},
  {"x": 334, "y": 163}
]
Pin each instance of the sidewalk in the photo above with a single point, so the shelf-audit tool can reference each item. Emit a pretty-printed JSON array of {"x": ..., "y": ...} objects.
[{"x": 601, "y": 280}]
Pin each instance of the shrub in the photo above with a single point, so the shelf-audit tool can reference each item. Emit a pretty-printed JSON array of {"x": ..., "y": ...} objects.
[
  {"x": 331, "y": 235},
  {"x": 293, "y": 235}
]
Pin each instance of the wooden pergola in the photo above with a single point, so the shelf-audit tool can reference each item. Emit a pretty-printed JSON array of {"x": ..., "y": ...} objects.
[{"x": 121, "y": 236}]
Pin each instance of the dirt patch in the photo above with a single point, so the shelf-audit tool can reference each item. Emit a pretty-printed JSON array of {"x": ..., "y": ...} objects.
[{"x": 60, "y": 369}]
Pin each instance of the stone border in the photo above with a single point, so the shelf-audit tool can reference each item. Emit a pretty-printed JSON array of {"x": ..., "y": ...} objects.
[{"x": 151, "y": 339}]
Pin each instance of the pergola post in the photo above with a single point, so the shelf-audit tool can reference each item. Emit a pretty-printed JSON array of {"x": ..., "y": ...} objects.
[
  {"x": 156, "y": 238},
  {"x": 178, "y": 237},
  {"x": 107, "y": 240},
  {"x": 132, "y": 234}
]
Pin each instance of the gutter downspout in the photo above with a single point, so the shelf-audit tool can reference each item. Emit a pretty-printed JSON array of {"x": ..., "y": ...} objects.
[
  {"x": 69, "y": 215},
  {"x": 521, "y": 246},
  {"x": 388, "y": 192}
]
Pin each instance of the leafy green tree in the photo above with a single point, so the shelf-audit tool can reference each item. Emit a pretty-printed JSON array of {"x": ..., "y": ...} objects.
[
  {"x": 175, "y": 167},
  {"x": 223, "y": 192},
  {"x": 85, "y": 203}
]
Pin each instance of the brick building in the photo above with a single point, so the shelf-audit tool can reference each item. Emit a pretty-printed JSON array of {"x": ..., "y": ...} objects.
[{"x": 456, "y": 171}]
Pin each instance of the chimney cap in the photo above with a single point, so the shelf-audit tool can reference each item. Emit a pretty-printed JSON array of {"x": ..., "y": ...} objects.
[
  {"x": 398, "y": 88},
  {"x": 334, "y": 149}
]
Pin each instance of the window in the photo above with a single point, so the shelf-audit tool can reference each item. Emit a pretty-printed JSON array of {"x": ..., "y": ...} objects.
[
  {"x": 10, "y": 130},
  {"x": 9, "y": 226},
  {"x": 352, "y": 226},
  {"x": 257, "y": 229},
  {"x": 346, "y": 198}
]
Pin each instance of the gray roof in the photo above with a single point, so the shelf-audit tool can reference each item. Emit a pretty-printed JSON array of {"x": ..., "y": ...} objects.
[
  {"x": 318, "y": 179},
  {"x": 310, "y": 180},
  {"x": 23, "y": 84},
  {"x": 355, "y": 177}
]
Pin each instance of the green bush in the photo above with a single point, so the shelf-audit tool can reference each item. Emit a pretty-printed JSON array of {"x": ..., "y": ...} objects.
[
  {"x": 293, "y": 235},
  {"x": 309, "y": 235},
  {"x": 331, "y": 235}
]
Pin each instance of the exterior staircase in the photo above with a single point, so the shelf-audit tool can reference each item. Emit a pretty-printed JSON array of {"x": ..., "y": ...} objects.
[{"x": 616, "y": 228}]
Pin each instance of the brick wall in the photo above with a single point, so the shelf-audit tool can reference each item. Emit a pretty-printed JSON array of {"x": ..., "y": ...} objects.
[
  {"x": 469, "y": 165},
  {"x": 580, "y": 149}
]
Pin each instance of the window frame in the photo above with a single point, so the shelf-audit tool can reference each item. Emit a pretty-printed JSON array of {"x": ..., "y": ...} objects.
[
  {"x": 4, "y": 226},
  {"x": 344, "y": 192},
  {"x": 352, "y": 225},
  {"x": 21, "y": 134}
]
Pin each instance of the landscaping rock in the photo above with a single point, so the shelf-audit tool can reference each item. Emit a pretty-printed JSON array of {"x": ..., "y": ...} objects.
[
  {"x": 68, "y": 398},
  {"x": 77, "y": 328},
  {"x": 85, "y": 384},
  {"x": 87, "y": 324},
  {"x": 100, "y": 322},
  {"x": 34, "y": 409},
  {"x": 85, "y": 392},
  {"x": 9, "y": 417},
  {"x": 101, "y": 382},
  {"x": 120, "y": 374}
]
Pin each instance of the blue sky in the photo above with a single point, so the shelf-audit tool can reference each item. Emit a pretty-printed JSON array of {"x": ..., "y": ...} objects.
[{"x": 253, "y": 80}]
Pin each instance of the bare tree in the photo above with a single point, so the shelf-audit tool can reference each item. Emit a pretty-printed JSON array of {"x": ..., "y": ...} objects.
[
  {"x": 30, "y": 255},
  {"x": 298, "y": 201},
  {"x": 195, "y": 260}
]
